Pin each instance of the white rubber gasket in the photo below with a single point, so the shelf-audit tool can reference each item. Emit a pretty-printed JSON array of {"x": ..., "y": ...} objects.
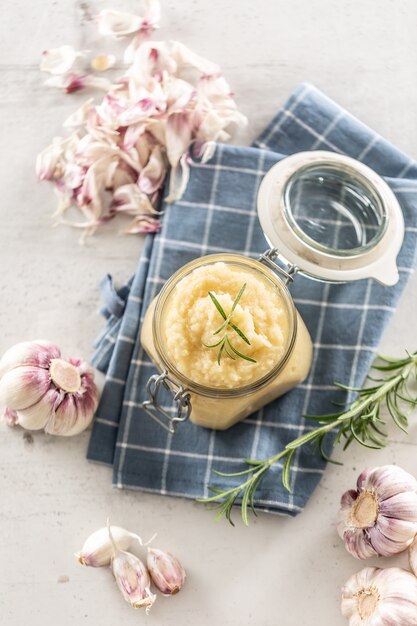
[{"x": 378, "y": 261}]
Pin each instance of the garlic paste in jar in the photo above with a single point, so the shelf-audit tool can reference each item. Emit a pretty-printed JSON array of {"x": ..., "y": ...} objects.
[{"x": 180, "y": 325}]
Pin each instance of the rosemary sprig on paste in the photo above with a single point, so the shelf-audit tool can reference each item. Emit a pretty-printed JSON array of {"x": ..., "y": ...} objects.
[
  {"x": 393, "y": 390},
  {"x": 224, "y": 344}
]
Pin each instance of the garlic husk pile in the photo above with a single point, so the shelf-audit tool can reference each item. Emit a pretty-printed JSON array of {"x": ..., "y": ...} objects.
[
  {"x": 380, "y": 597},
  {"x": 41, "y": 390},
  {"x": 379, "y": 517},
  {"x": 168, "y": 102}
]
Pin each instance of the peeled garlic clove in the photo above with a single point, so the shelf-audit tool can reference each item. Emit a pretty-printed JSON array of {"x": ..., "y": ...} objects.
[
  {"x": 386, "y": 597},
  {"x": 97, "y": 550},
  {"x": 22, "y": 387},
  {"x": 166, "y": 571},
  {"x": 380, "y": 516},
  {"x": 36, "y": 416},
  {"x": 103, "y": 62},
  {"x": 36, "y": 353},
  {"x": 133, "y": 580}
]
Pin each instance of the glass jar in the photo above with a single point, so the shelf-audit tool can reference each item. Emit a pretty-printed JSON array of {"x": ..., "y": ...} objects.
[
  {"x": 217, "y": 405},
  {"x": 324, "y": 215}
]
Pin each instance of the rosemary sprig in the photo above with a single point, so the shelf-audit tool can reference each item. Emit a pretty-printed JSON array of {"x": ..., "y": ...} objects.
[
  {"x": 393, "y": 388},
  {"x": 224, "y": 344}
]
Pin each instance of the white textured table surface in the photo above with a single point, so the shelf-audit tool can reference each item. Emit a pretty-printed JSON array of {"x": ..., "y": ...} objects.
[{"x": 287, "y": 571}]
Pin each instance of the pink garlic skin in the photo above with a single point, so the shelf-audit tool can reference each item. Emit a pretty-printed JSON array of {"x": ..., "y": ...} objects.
[
  {"x": 133, "y": 580},
  {"x": 9, "y": 417},
  {"x": 166, "y": 571},
  {"x": 379, "y": 517}
]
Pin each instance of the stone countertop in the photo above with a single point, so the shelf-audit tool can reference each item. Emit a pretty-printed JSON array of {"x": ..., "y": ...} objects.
[{"x": 279, "y": 570}]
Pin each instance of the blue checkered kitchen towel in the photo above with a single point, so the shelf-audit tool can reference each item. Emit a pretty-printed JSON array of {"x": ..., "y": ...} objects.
[{"x": 218, "y": 214}]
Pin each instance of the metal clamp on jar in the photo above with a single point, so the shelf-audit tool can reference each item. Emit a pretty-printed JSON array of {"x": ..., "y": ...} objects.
[{"x": 224, "y": 330}]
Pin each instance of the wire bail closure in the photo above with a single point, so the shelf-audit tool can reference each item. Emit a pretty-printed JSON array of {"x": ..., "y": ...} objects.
[
  {"x": 268, "y": 257},
  {"x": 180, "y": 395}
]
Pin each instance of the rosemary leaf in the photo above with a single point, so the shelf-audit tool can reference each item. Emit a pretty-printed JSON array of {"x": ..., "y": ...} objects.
[
  {"x": 242, "y": 356},
  {"x": 217, "y": 305},
  {"x": 286, "y": 471},
  {"x": 224, "y": 341},
  {"x": 239, "y": 332}
]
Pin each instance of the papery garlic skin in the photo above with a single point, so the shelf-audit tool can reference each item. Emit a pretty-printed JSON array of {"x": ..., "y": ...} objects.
[
  {"x": 380, "y": 597},
  {"x": 168, "y": 101},
  {"x": 379, "y": 517},
  {"x": 98, "y": 551},
  {"x": 41, "y": 390},
  {"x": 166, "y": 571},
  {"x": 131, "y": 576},
  {"x": 58, "y": 60},
  {"x": 133, "y": 580}
]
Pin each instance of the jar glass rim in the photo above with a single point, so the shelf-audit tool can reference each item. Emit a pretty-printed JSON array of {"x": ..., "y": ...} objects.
[
  {"x": 343, "y": 174},
  {"x": 162, "y": 300}
]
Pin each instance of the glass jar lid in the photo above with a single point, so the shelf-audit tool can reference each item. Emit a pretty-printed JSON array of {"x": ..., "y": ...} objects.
[{"x": 332, "y": 217}]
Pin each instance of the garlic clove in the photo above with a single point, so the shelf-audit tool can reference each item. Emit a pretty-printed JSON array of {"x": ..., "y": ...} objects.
[
  {"x": 401, "y": 506},
  {"x": 412, "y": 555},
  {"x": 389, "y": 480},
  {"x": 65, "y": 420},
  {"x": 380, "y": 516},
  {"x": 131, "y": 576},
  {"x": 103, "y": 62},
  {"x": 166, "y": 571},
  {"x": 36, "y": 416},
  {"x": 133, "y": 580},
  {"x": 37, "y": 353},
  {"x": 380, "y": 597},
  {"x": 22, "y": 387},
  {"x": 384, "y": 546},
  {"x": 76, "y": 410},
  {"x": 357, "y": 545},
  {"x": 97, "y": 550}
]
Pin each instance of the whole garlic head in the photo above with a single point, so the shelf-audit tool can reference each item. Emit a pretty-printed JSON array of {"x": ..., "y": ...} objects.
[
  {"x": 41, "y": 390},
  {"x": 379, "y": 517},
  {"x": 380, "y": 597}
]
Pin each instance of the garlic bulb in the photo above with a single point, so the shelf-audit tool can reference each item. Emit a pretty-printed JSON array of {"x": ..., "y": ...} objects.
[
  {"x": 131, "y": 577},
  {"x": 379, "y": 517},
  {"x": 166, "y": 571},
  {"x": 380, "y": 597},
  {"x": 41, "y": 390}
]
